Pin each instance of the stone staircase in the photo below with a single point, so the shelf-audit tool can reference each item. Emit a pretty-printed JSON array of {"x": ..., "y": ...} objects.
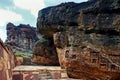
[{"x": 44, "y": 75}]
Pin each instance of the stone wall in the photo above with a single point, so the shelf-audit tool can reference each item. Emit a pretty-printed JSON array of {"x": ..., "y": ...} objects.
[{"x": 6, "y": 62}]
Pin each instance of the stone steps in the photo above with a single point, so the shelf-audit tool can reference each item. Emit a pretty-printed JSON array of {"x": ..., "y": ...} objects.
[{"x": 45, "y": 75}]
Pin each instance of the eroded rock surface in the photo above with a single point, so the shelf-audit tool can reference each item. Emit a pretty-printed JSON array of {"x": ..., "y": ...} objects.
[
  {"x": 6, "y": 62},
  {"x": 86, "y": 36},
  {"x": 45, "y": 53},
  {"x": 21, "y": 38}
]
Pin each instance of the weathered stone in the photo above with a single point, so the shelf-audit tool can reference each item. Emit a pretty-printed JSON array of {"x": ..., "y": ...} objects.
[
  {"x": 6, "y": 62},
  {"x": 18, "y": 61},
  {"x": 39, "y": 73},
  {"x": 23, "y": 61},
  {"x": 27, "y": 61},
  {"x": 21, "y": 38},
  {"x": 93, "y": 52},
  {"x": 86, "y": 36},
  {"x": 44, "y": 52}
]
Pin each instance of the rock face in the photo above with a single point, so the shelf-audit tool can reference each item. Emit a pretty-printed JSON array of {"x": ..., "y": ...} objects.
[
  {"x": 45, "y": 53},
  {"x": 6, "y": 62},
  {"x": 22, "y": 37},
  {"x": 86, "y": 36}
]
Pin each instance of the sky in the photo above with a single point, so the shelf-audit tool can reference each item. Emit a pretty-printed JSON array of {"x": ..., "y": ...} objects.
[{"x": 24, "y": 12}]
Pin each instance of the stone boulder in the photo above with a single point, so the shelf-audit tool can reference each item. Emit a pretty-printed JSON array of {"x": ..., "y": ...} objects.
[
  {"x": 86, "y": 36},
  {"x": 44, "y": 53},
  {"x": 18, "y": 61}
]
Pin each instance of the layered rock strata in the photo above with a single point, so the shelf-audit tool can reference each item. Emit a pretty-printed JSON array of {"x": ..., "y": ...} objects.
[{"x": 86, "y": 36}]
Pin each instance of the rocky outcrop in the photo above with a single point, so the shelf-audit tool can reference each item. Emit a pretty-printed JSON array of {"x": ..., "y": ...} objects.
[
  {"x": 45, "y": 53},
  {"x": 86, "y": 36},
  {"x": 6, "y": 62},
  {"x": 21, "y": 38},
  {"x": 87, "y": 14}
]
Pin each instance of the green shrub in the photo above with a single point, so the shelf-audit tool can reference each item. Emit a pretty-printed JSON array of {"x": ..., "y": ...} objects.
[
  {"x": 30, "y": 55},
  {"x": 21, "y": 55}
]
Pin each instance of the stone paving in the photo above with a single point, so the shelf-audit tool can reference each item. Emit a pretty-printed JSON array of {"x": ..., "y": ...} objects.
[
  {"x": 36, "y": 68},
  {"x": 39, "y": 73}
]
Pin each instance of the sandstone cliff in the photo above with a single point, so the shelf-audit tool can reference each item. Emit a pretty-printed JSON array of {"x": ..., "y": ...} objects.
[
  {"x": 21, "y": 38},
  {"x": 86, "y": 36},
  {"x": 6, "y": 62}
]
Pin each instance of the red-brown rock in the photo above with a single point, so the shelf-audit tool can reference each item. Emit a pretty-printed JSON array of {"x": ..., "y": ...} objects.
[
  {"x": 44, "y": 53},
  {"x": 18, "y": 61},
  {"x": 6, "y": 62},
  {"x": 86, "y": 36}
]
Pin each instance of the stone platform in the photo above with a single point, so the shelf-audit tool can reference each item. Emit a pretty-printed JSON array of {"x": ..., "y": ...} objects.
[{"x": 39, "y": 73}]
